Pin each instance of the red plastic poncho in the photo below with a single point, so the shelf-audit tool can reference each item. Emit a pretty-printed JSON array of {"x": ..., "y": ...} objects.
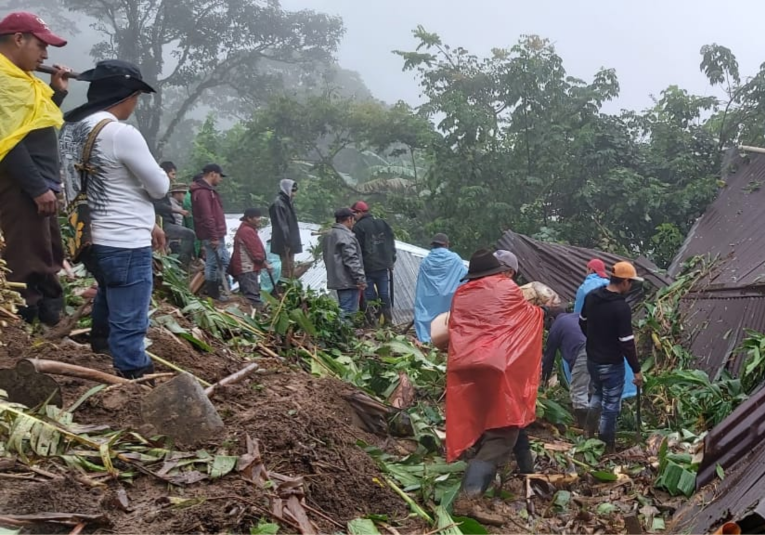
[{"x": 493, "y": 369}]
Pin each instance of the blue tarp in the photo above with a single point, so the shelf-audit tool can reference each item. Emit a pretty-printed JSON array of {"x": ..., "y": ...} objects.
[
  {"x": 276, "y": 263},
  {"x": 439, "y": 277}
]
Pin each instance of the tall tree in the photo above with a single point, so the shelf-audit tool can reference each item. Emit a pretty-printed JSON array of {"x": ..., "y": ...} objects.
[{"x": 201, "y": 46}]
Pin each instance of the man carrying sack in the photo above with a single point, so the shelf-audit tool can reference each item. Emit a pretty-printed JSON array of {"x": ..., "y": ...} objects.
[
  {"x": 29, "y": 165},
  {"x": 492, "y": 374}
]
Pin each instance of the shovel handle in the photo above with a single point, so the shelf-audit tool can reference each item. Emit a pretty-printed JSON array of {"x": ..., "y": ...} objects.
[{"x": 639, "y": 433}]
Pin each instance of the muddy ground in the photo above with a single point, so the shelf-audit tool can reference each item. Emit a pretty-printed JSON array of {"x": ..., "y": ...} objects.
[{"x": 303, "y": 425}]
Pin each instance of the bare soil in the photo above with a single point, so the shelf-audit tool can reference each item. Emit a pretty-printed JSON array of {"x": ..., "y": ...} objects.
[{"x": 303, "y": 425}]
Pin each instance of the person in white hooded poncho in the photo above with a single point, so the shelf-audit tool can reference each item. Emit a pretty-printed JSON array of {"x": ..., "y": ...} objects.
[{"x": 285, "y": 233}]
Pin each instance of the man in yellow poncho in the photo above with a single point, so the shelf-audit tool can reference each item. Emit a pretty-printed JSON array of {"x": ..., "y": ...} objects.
[{"x": 30, "y": 176}]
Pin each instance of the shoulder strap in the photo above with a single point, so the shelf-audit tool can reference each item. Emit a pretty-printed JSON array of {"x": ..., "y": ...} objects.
[{"x": 84, "y": 166}]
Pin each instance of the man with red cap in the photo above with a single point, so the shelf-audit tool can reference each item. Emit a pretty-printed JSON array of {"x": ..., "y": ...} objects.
[
  {"x": 378, "y": 250},
  {"x": 29, "y": 164}
]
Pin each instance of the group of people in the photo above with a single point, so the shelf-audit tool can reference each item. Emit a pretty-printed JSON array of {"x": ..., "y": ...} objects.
[
  {"x": 119, "y": 202},
  {"x": 359, "y": 255}
]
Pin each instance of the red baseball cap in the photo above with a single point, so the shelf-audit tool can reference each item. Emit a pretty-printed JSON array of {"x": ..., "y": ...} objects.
[
  {"x": 598, "y": 266},
  {"x": 360, "y": 206},
  {"x": 24, "y": 22}
]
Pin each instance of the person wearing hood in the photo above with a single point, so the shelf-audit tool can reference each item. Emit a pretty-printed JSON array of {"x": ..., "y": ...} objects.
[
  {"x": 342, "y": 258},
  {"x": 595, "y": 278},
  {"x": 119, "y": 180},
  {"x": 210, "y": 227},
  {"x": 439, "y": 277},
  {"x": 30, "y": 177},
  {"x": 606, "y": 320},
  {"x": 285, "y": 233}
]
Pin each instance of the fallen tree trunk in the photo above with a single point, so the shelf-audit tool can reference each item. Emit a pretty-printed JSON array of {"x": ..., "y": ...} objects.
[
  {"x": 233, "y": 378},
  {"x": 70, "y": 370}
]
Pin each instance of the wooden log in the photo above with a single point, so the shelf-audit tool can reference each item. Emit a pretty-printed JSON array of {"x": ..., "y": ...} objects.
[
  {"x": 233, "y": 378},
  {"x": 70, "y": 370}
]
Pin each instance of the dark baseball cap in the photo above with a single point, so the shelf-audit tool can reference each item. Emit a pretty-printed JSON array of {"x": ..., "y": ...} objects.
[
  {"x": 24, "y": 22},
  {"x": 250, "y": 213},
  {"x": 343, "y": 213},
  {"x": 440, "y": 239},
  {"x": 213, "y": 168}
]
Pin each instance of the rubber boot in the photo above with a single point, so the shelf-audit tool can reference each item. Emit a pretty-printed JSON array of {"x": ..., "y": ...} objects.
[
  {"x": 592, "y": 423},
  {"x": 388, "y": 316},
  {"x": 212, "y": 289},
  {"x": 29, "y": 313},
  {"x": 581, "y": 417},
  {"x": 478, "y": 477},
  {"x": 137, "y": 374},
  {"x": 525, "y": 461},
  {"x": 50, "y": 310}
]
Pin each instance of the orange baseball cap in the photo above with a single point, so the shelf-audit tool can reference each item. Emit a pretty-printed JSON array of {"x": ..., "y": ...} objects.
[{"x": 625, "y": 270}]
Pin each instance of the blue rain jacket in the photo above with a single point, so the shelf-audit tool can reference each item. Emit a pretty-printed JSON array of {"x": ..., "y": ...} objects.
[
  {"x": 276, "y": 262},
  {"x": 440, "y": 275}
]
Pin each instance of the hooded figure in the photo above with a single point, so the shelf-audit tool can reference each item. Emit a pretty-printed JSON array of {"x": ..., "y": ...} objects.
[
  {"x": 438, "y": 279},
  {"x": 285, "y": 233}
]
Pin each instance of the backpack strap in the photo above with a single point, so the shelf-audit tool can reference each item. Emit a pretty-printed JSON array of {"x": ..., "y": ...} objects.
[{"x": 84, "y": 166}]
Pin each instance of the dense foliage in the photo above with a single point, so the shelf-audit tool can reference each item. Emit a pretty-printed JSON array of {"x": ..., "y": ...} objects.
[{"x": 510, "y": 141}]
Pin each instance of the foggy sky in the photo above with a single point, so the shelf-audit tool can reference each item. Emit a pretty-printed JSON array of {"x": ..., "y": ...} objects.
[{"x": 651, "y": 44}]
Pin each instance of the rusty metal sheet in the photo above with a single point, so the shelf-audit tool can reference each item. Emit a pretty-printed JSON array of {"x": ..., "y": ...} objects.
[
  {"x": 563, "y": 267},
  {"x": 730, "y": 229}
]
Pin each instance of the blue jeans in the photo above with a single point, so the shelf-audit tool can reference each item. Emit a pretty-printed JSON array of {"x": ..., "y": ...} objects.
[
  {"x": 606, "y": 383},
  {"x": 212, "y": 256},
  {"x": 378, "y": 288},
  {"x": 121, "y": 306},
  {"x": 349, "y": 301}
]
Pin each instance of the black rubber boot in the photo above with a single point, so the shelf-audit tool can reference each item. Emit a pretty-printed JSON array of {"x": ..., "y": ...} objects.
[
  {"x": 212, "y": 289},
  {"x": 29, "y": 313},
  {"x": 592, "y": 423},
  {"x": 50, "y": 310},
  {"x": 388, "y": 316},
  {"x": 478, "y": 477},
  {"x": 137, "y": 374},
  {"x": 581, "y": 417},
  {"x": 525, "y": 460}
]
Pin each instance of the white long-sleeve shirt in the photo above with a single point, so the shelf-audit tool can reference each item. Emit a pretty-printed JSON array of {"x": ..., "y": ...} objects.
[{"x": 127, "y": 178}]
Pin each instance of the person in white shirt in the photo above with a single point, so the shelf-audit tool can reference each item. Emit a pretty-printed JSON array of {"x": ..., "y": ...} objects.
[{"x": 124, "y": 178}]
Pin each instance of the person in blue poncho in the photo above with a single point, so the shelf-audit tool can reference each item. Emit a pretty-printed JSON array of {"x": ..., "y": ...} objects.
[{"x": 440, "y": 275}]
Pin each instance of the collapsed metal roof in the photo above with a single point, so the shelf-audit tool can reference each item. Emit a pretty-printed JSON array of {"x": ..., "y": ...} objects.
[
  {"x": 563, "y": 267},
  {"x": 732, "y": 298}
]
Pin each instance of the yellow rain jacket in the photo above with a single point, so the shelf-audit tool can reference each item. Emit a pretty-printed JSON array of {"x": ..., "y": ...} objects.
[{"x": 25, "y": 105}]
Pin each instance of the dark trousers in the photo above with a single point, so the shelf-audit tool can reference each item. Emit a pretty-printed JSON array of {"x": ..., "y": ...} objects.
[
  {"x": 34, "y": 252},
  {"x": 249, "y": 287},
  {"x": 607, "y": 383},
  {"x": 185, "y": 237},
  {"x": 121, "y": 307}
]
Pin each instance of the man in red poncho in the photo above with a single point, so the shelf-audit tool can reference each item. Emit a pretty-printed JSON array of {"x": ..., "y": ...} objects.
[{"x": 493, "y": 369}]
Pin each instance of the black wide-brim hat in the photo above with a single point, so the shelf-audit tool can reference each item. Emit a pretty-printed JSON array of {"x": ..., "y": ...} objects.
[
  {"x": 483, "y": 263},
  {"x": 111, "y": 82}
]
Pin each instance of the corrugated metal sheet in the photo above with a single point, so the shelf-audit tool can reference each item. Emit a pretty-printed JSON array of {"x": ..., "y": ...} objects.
[
  {"x": 563, "y": 267},
  {"x": 715, "y": 327},
  {"x": 730, "y": 228},
  {"x": 738, "y": 498}
]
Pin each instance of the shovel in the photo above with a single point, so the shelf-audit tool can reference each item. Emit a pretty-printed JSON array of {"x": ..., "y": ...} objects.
[
  {"x": 638, "y": 433},
  {"x": 25, "y": 385}
]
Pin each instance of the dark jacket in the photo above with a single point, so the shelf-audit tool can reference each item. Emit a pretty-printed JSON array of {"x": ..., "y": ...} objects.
[
  {"x": 342, "y": 258},
  {"x": 164, "y": 209},
  {"x": 285, "y": 233},
  {"x": 565, "y": 335},
  {"x": 378, "y": 245},
  {"x": 209, "y": 219},
  {"x": 249, "y": 254},
  {"x": 33, "y": 163},
  {"x": 606, "y": 320}
]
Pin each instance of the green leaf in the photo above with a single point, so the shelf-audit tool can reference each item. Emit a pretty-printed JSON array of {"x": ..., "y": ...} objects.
[
  {"x": 606, "y": 508},
  {"x": 677, "y": 480},
  {"x": 562, "y": 499},
  {"x": 95, "y": 390},
  {"x": 362, "y": 526},
  {"x": 222, "y": 465},
  {"x": 658, "y": 524},
  {"x": 264, "y": 528},
  {"x": 6, "y": 531},
  {"x": 299, "y": 317},
  {"x": 720, "y": 472},
  {"x": 196, "y": 342},
  {"x": 445, "y": 523},
  {"x": 602, "y": 475},
  {"x": 470, "y": 526}
]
